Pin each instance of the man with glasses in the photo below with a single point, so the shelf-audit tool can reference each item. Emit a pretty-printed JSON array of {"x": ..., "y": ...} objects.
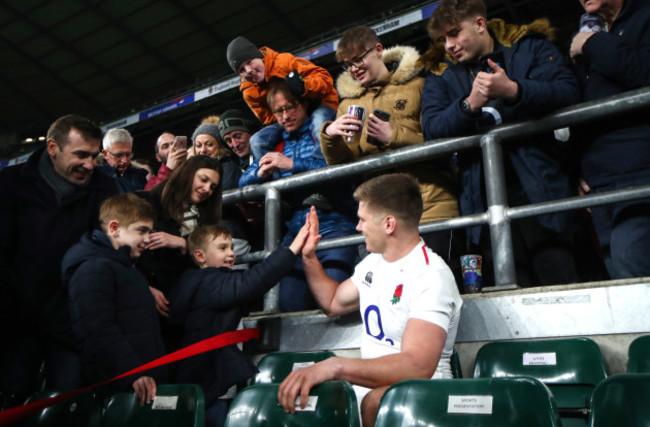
[
  {"x": 47, "y": 204},
  {"x": 257, "y": 68},
  {"x": 300, "y": 152},
  {"x": 118, "y": 152},
  {"x": 388, "y": 80}
]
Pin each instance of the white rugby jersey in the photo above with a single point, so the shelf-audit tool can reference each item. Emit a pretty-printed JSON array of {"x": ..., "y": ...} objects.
[{"x": 419, "y": 285}]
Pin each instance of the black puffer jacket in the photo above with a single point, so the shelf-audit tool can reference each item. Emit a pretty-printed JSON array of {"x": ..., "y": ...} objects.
[
  {"x": 113, "y": 312},
  {"x": 209, "y": 302}
]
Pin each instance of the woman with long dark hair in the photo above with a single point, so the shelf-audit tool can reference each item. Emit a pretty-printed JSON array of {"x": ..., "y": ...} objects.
[{"x": 190, "y": 197}]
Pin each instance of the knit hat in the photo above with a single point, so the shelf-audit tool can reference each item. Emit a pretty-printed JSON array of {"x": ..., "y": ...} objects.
[
  {"x": 207, "y": 129},
  {"x": 240, "y": 50},
  {"x": 233, "y": 120}
]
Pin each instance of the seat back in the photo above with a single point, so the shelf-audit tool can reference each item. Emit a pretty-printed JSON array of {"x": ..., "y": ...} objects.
[
  {"x": 257, "y": 405},
  {"x": 81, "y": 411},
  {"x": 515, "y": 401},
  {"x": 639, "y": 355},
  {"x": 621, "y": 400},
  {"x": 571, "y": 367},
  {"x": 275, "y": 367},
  {"x": 174, "y": 405}
]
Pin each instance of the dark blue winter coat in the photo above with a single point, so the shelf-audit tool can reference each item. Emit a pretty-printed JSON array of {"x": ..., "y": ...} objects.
[
  {"x": 209, "y": 302},
  {"x": 113, "y": 312},
  {"x": 133, "y": 179},
  {"x": 545, "y": 84},
  {"x": 617, "y": 149}
]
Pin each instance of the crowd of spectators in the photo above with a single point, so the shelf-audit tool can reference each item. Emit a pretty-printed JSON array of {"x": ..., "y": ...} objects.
[{"x": 90, "y": 319}]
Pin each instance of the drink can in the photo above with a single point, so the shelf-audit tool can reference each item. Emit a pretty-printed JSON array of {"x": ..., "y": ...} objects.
[
  {"x": 472, "y": 274},
  {"x": 592, "y": 23},
  {"x": 360, "y": 113}
]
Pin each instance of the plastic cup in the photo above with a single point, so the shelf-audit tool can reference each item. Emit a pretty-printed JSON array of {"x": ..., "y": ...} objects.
[
  {"x": 472, "y": 275},
  {"x": 360, "y": 113}
]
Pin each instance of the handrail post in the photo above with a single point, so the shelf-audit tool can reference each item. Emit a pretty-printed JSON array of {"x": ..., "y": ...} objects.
[
  {"x": 497, "y": 199},
  {"x": 271, "y": 242}
]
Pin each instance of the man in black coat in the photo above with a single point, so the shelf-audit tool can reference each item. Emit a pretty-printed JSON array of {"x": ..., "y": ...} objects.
[
  {"x": 614, "y": 152},
  {"x": 47, "y": 204}
]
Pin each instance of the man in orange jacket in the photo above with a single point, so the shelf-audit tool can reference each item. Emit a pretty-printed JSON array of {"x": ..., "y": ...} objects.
[{"x": 258, "y": 67}]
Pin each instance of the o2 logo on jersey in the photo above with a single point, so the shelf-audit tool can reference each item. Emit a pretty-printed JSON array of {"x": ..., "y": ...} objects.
[{"x": 373, "y": 310}]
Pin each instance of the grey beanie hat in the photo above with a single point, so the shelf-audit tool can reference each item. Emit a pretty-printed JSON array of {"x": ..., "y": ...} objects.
[
  {"x": 233, "y": 120},
  {"x": 240, "y": 50},
  {"x": 207, "y": 129}
]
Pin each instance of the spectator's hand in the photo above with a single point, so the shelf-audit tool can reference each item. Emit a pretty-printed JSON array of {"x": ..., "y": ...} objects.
[
  {"x": 583, "y": 187},
  {"x": 176, "y": 157},
  {"x": 300, "y": 239},
  {"x": 270, "y": 162},
  {"x": 160, "y": 239},
  {"x": 577, "y": 43},
  {"x": 345, "y": 125},
  {"x": 496, "y": 85},
  {"x": 380, "y": 130},
  {"x": 309, "y": 249},
  {"x": 477, "y": 98},
  {"x": 162, "y": 305},
  {"x": 299, "y": 382},
  {"x": 145, "y": 389},
  {"x": 295, "y": 84}
]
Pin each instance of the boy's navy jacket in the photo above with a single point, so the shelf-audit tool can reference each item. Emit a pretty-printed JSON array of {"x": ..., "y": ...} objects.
[
  {"x": 209, "y": 301},
  {"x": 113, "y": 312}
]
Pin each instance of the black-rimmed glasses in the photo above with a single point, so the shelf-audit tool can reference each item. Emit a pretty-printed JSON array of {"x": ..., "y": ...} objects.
[{"x": 358, "y": 61}]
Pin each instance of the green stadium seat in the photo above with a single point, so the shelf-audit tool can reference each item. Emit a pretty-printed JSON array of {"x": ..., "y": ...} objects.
[
  {"x": 639, "y": 356},
  {"x": 81, "y": 411},
  {"x": 175, "y": 405},
  {"x": 257, "y": 405},
  {"x": 621, "y": 400},
  {"x": 275, "y": 367},
  {"x": 477, "y": 402},
  {"x": 570, "y": 367},
  {"x": 456, "y": 370}
]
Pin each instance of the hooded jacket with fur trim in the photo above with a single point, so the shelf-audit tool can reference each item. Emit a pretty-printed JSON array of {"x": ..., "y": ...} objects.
[
  {"x": 545, "y": 84},
  {"x": 400, "y": 96}
]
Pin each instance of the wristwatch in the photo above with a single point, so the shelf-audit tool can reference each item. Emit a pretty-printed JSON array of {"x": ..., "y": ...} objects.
[{"x": 464, "y": 105}]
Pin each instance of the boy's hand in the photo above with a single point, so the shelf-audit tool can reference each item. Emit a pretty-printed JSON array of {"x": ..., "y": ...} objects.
[
  {"x": 380, "y": 130},
  {"x": 145, "y": 389},
  {"x": 345, "y": 125},
  {"x": 162, "y": 305},
  {"x": 496, "y": 85},
  {"x": 299, "y": 241},
  {"x": 295, "y": 84},
  {"x": 309, "y": 249}
]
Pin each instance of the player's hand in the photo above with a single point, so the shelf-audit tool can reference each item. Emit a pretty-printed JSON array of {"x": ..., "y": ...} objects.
[
  {"x": 345, "y": 125},
  {"x": 145, "y": 389},
  {"x": 162, "y": 305},
  {"x": 496, "y": 85},
  {"x": 299, "y": 382},
  {"x": 380, "y": 130},
  {"x": 309, "y": 249}
]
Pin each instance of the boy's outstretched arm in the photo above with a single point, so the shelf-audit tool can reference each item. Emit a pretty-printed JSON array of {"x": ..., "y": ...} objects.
[{"x": 335, "y": 299}]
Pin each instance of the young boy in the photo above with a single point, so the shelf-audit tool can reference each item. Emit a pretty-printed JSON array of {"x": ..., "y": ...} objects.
[
  {"x": 209, "y": 301},
  {"x": 257, "y": 68},
  {"x": 113, "y": 312}
]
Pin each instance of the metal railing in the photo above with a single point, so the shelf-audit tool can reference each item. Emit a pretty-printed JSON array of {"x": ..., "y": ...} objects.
[{"x": 498, "y": 214}]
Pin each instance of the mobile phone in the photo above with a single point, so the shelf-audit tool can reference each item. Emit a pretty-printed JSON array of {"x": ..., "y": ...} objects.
[
  {"x": 497, "y": 57},
  {"x": 180, "y": 142},
  {"x": 381, "y": 115}
]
